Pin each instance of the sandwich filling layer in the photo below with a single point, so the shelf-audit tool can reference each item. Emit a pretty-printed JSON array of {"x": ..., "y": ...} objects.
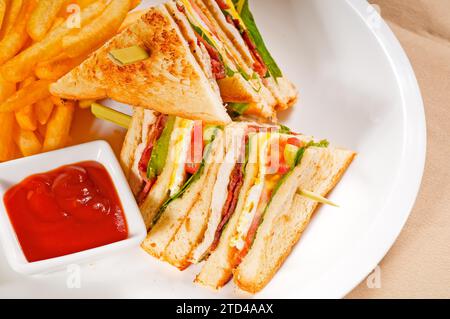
[
  {"x": 237, "y": 13},
  {"x": 154, "y": 152},
  {"x": 228, "y": 186},
  {"x": 225, "y": 193},
  {"x": 275, "y": 156},
  {"x": 226, "y": 63},
  {"x": 195, "y": 141}
]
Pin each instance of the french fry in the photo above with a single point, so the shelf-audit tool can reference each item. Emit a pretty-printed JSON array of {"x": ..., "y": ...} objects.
[
  {"x": 43, "y": 110},
  {"x": 84, "y": 3},
  {"x": 17, "y": 37},
  {"x": 7, "y": 123},
  {"x": 12, "y": 12},
  {"x": 42, "y": 18},
  {"x": 57, "y": 23},
  {"x": 135, "y": 3},
  {"x": 131, "y": 18},
  {"x": 98, "y": 31},
  {"x": 85, "y": 104},
  {"x": 28, "y": 142},
  {"x": 22, "y": 65},
  {"x": 7, "y": 146},
  {"x": 42, "y": 129},
  {"x": 6, "y": 89},
  {"x": 26, "y": 96},
  {"x": 58, "y": 67},
  {"x": 58, "y": 127},
  {"x": 26, "y": 118},
  {"x": 27, "y": 82},
  {"x": 2, "y": 12}
]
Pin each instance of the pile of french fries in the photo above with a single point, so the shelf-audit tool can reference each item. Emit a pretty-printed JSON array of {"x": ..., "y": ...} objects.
[{"x": 40, "y": 41}]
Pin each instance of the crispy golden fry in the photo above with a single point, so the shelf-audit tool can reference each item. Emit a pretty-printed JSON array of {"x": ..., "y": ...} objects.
[
  {"x": 57, "y": 23},
  {"x": 98, "y": 31},
  {"x": 7, "y": 123},
  {"x": 131, "y": 18},
  {"x": 42, "y": 129},
  {"x": 12, "y": 11},
  {"x": 58, "y": 126},
  {"x": 82, "y": 3},
  {"x": 26, "y": 118},
  {"x": 21, "y": 66},
  {"x": 28, "y": 142},
  {"x": 58, "y": 67},
  {"x": 26, "y": 96},
  {"x": 17, "y": 37},
  {"x": 43, "y": 109},
  {"x": 27, "y": 82},
  {"x": 2, "y": 12},
  {"x": 7, "y": 146},
  {"x": 84, "y": 104},
  {"x": 6, "y": 89},
  {"x": 135, "y": 3},
  {"x": 42, "y": 17}
]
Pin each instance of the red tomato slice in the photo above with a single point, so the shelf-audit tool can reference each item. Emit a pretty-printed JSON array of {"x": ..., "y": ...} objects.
[
  {"x": 294, "y": 141},
  {"x": 192, "y": 168},
  {"x": 283, "y": 168},
  {"x": 195, "y": 155}
]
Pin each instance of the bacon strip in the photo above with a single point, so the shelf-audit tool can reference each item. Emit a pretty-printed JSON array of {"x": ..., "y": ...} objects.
[
  {"x": 218, "y": 68},
  {"x": 259, "y": 66},
  {"x": 222, "y": 5},
  {"x": 153, "y": 135},
  {"x": 234, "y": 187}
]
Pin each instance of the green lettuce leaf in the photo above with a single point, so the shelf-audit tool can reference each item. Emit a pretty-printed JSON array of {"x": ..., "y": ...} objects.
[
  {"x": 161, "y": 149},
  {"x": 242, "y": 7},
  {"x": 284, "y": 129},
  {"x": 238, "y": 108},
  {"x": 190, "y": 181}
]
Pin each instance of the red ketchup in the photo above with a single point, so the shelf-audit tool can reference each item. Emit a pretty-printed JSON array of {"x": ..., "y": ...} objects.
[{"x": 67, "y": 210}]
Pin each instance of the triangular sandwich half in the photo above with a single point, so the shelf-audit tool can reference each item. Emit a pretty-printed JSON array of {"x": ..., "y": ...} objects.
[
  {"x": 169, "y": 80},
  {"x": 268, "y": 220}
]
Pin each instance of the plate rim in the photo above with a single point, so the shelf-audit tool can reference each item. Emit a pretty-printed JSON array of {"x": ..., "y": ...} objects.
[{"x": 412, "y": 166}]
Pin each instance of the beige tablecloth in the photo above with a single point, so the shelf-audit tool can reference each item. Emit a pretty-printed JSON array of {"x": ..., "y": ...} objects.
[{"x": 418, "y": 265}]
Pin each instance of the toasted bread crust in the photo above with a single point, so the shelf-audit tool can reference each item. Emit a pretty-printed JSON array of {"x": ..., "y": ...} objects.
[
  {"x": 280, "y": 94},
  {"x": 193, "y": 227},
  {"x": 169, "y": 81},
  {"x": 131, "y": 142}
]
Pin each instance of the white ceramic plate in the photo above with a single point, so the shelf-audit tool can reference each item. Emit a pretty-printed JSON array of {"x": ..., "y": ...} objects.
[{"x": 359, "y": 91}]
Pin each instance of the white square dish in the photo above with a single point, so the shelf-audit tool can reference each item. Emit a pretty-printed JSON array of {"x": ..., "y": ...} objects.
[{"x": 12, "y": 173}]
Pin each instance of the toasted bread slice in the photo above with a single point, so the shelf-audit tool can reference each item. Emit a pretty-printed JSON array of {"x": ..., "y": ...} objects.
[
  {"x": 198, "y": 50},
  {"x": 217, "y": 270},
  {"x": 261, "y": 98},
  {"x": 193, "y": 227},
  {"x": 131, "y": 142},
  {"x": 288, "y": 215},
  {"x": 235, "y": 88},
  {"x": 282, "y": 89},
  {"x": 170, "y": 81}
]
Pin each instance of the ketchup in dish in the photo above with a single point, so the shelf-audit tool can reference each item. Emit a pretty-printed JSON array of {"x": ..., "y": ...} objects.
[{"x": 68, "y": 210}]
